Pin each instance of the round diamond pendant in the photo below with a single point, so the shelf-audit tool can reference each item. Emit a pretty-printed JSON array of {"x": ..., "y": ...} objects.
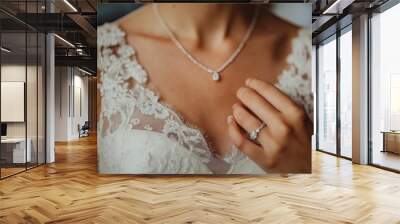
[{"x": 215, "y": 76}]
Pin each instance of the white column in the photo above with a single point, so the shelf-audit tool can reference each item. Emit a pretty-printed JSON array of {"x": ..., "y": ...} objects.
[
  {"x": 360, "y": 90},
  {"x": 62, "y": 103},
  {"x": 50, "y": 92},
  {"x": 314, "y": 90},
  {"x": 50, "y": 99}
]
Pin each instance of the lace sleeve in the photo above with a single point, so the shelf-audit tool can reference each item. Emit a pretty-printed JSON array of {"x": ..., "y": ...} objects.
[
  {"x": 118, "y": 75},
  {"x": 296, "y": 79},
  {"x": 126, "y": 102}
]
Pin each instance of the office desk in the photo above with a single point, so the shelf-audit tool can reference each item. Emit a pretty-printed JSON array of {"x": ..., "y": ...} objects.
[
  {"x": 13, "y": 150},
  {"x": 391, "y": 141}
]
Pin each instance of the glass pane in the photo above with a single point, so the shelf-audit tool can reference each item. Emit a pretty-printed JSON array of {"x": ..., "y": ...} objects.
[
  {"x": 31, "y": 97},
  {"x": 23, "y": 88},
  {"x": 385, "y": 84},
  {"x": 327, "y": 97},
  {"x": 314, "y": 76},
  {"x": 13, "y": 87},
  {"x": 41, "y": 98},
  {"x": 346, "y": 94},
  {"x": 32, "y": 86}
]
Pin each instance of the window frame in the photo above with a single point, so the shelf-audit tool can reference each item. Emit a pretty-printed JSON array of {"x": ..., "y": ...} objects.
[
  {"x": 335, "y": 36},
  {"x": 378, "y": 10}
]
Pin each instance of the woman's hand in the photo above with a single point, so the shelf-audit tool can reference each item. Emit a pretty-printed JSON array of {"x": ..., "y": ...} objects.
[{"x": 284, "y": 144}]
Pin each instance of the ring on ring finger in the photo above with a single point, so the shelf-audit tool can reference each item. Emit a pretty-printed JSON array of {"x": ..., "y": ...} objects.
[{"x": 253, "y": 135}]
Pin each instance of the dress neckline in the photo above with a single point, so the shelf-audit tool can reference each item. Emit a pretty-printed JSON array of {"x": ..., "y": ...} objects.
[{"x": 202, "y": 133}]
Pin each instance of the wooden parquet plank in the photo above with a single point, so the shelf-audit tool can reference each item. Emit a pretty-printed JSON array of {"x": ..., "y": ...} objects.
[{"x": 71, "y": 191}]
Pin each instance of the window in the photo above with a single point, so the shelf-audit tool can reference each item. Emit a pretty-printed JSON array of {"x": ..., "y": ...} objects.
[
  {"x": 22, "y": 77},
  {"x": 327, "y": 96},
  {"x": 346, "y": 93},
  {"x": 385, "y": 89},
  {"x": 394, "y": 102},
  {"x": 334, "y": 106}
]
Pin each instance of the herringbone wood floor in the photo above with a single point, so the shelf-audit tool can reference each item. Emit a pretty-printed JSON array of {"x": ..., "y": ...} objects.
[{"x": 71, "y": 191}]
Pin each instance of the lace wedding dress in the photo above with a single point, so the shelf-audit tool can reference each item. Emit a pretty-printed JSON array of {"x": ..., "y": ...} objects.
[{"x": 138, "y": 134}]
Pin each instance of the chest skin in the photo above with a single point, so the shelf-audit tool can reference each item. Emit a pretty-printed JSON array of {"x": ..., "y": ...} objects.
[{"x": 190, "y": 90}]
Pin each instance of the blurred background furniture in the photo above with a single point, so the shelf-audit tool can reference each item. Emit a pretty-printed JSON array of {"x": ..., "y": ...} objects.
[
  {"x": 391, "y": 141},
  {"x": 13, "y": 151},
  {"x": 84, "y": 129}
]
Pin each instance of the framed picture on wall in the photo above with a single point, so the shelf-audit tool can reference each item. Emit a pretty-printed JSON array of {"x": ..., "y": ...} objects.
[{"x": 12, "y": 101}]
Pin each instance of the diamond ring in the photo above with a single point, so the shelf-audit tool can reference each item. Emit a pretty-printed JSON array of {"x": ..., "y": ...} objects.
[{"x": 254, "y": 134}]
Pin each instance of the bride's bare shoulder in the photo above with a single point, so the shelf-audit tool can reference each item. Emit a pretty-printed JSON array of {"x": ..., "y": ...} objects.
[
  {"x": 279, "y": 32},
  {"x": 272, "y": 24},
  {"x": 139, "y": 21}
]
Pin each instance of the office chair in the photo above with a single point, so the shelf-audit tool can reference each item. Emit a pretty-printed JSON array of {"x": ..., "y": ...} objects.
[{"x": 84, "y": 130}]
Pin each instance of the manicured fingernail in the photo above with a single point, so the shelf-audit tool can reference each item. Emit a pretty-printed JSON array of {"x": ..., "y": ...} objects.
[
  {"x": 240, "y": 90},
  {"x": 229, "y": 119},
  {"x": 248, "y": 81}
]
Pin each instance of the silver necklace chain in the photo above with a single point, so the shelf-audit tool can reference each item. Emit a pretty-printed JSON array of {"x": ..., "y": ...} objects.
[{"x": 214, "y": 73}]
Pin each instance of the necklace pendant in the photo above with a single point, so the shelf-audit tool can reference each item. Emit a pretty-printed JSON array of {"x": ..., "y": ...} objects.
[{"x": 215, "y": 76}]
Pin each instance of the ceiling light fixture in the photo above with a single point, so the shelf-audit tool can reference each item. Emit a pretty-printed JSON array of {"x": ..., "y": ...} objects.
[
  {"x": 70, "y": 5},
  {"x": 5, "y": 50},
  {"x": 64, "y": 40},
  {"x": 84, "y": 71},
  {"x": 329, "y": 9},
  {"x": 79, "y": 51}
]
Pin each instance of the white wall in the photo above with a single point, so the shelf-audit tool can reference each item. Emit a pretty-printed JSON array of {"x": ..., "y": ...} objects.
[
  {"x": 70, "y": 81},
  {"x": 12, "y": 73},
  {"x": 33, "y": 127},
  {"x": 62, "y": 81},
  {"x": 79, "y": 117}
]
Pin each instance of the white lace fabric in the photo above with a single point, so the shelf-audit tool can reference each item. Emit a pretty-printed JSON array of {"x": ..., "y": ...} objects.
[{"x": 138, "y": 134}]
